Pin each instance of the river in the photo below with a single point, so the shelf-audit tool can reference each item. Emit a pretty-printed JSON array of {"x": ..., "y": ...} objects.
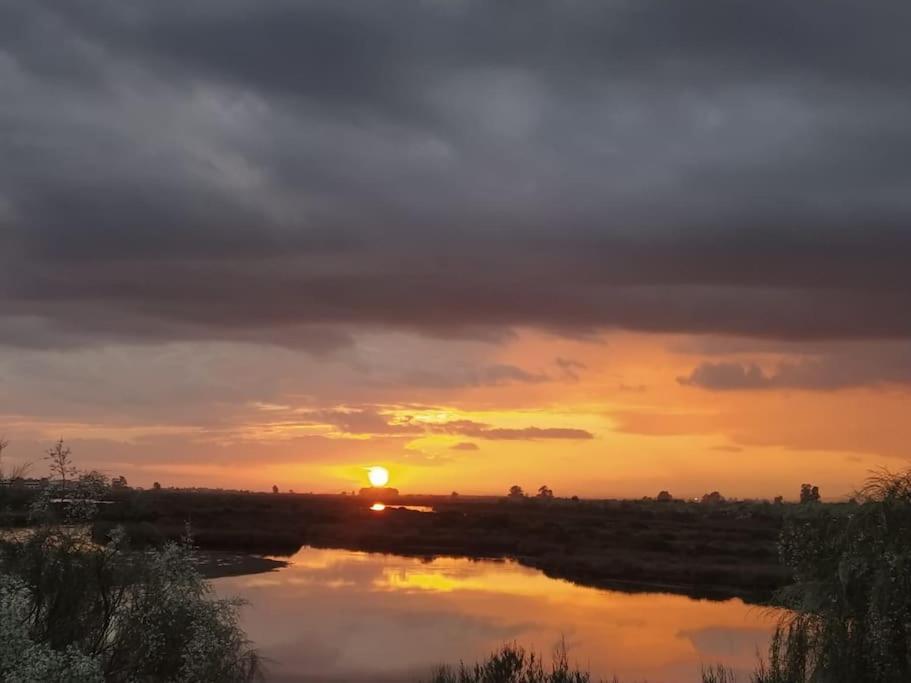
[{"x": 338, "y": 616}]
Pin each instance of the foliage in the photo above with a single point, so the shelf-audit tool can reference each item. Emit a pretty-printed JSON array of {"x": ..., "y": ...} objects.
[
  {"x": 851, "y": 599},
  {"x": 809, "y": 493},
  {"x": 71, "y": 610},
  {"x": 514, "y": 664},
  {"x": 713, "y": 498},
  {"x": 25, "y": 658}
]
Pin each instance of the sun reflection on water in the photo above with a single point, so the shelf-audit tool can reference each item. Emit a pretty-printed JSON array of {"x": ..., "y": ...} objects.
[{"x": 411, "y": 614}]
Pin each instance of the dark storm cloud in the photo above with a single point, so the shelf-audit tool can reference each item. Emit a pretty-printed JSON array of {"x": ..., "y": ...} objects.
[{"x": 289, "y": 173}]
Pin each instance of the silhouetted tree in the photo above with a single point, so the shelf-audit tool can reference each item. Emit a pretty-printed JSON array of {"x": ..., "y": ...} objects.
[
  {"x": 455, "y": 494},
  {"x": 61, "y": 462},
  {"x": 3, "y": 444},
  {"x": 94, "y": 483},
  {"x": 156, "y": 486},
  {"x": 779, "y": 500},
  {"x": 515, "y": 491},
  {"x": 712, "y": 498},
  {"x": 545, "y": 492},
  {"x": 274, "y": 488},
  {"x": 664, "y": 497},
  {"x": 809, "y": 493}
]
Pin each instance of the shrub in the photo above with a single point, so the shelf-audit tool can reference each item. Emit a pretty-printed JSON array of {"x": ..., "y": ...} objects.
[
  {"x": 71, "y": 610},
  {"x": 851, "y": 600}
]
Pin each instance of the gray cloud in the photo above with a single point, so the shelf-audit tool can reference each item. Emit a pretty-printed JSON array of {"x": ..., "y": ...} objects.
[
  {"x": 366, "y": 420},
  {"x": 727, "y": 376},
  {"x": 569, "y": 367},
  {"x": 871, "y": 365},
  {"x": 285, "y": 172},
  {"x": 363, "y": 420},
  {"x": 491, "y": 375}
]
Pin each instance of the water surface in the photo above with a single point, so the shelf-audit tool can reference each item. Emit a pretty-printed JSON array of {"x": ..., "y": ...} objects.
[{"x": 335, "y": 615}]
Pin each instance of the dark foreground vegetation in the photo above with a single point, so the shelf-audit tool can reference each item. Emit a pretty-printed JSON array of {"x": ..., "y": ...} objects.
[{"x": 72, "y": 611}]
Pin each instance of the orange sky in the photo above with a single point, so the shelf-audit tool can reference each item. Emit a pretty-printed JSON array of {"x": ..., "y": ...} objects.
[
  {"x": 599, "y": 416},
  {"x": 593, "y": 246}
]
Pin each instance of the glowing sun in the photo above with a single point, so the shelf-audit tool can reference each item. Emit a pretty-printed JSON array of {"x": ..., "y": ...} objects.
[{"x": 378, "y": 476}]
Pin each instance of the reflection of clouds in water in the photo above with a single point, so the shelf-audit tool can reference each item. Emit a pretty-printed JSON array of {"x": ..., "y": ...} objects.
[
  {"x": 721, "y": 642},
  {"x": 336, "y": 615}
]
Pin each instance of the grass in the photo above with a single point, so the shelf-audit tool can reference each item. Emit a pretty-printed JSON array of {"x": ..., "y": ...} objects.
[{"x": 514, "y": 664}]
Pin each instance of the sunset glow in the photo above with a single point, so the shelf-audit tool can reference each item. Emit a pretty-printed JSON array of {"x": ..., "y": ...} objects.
[
  {"x": 499, "y": 270},
  {"x": 378, "y": 476}
]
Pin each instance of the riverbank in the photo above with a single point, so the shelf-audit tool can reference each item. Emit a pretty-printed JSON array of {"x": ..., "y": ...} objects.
[
  {"x": 214, "y": 564},
  {"x": 715, "y": 551}
]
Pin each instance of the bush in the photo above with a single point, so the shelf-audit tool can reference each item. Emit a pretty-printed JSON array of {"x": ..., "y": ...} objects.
[
  {"x": 71, "y": 610},
  {"x": 851, "y": 600}
]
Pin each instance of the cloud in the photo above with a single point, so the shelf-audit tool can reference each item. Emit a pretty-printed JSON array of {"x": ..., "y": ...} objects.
[
  {"x": 465, "y": 446},
  {"x": 488, "y": 376},
  {"x": 604, "y": 165},
  {"x": 373, "y": 420},
  {"x": 484, "y": 431},
  {"x": 569, "y": 367},
  {"x": 359, "y": 421},
  {"x": 722, "y": 376},
  {"x": 845, "y": 368}
]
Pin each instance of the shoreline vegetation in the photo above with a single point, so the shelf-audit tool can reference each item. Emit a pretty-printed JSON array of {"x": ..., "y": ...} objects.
[{"x": 75, "y": 611}]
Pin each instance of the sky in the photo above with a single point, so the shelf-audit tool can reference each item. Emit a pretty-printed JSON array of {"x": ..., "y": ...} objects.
[{"x": 612, "y": 247}]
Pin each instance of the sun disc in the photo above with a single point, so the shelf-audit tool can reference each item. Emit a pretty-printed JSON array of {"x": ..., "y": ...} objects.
[{"x": 378, "y": 476}]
